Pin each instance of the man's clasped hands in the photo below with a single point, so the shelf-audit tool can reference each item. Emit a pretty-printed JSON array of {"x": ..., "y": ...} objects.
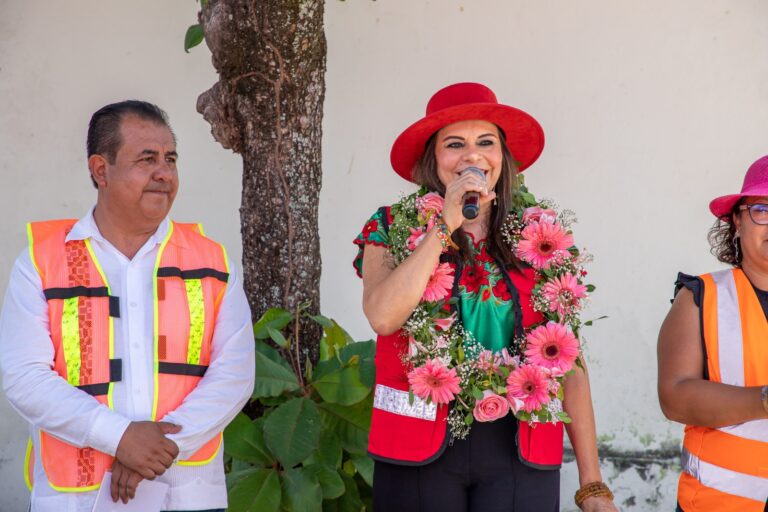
[{"x": 143, "y": 453}]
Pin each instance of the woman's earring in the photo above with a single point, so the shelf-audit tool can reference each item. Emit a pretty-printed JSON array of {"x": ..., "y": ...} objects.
[
  {"x": 736, "y": 248},
  {"x": 495, "y": 202}
]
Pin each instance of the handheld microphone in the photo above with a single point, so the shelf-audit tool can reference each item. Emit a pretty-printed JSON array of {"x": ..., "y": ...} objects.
[{"x": 471, "y": 202}]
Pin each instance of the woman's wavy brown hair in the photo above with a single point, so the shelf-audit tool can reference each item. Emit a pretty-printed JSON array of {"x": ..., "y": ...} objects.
[
  {"x": 721, "y": 238},
  {"x": 425, "y": 174}
]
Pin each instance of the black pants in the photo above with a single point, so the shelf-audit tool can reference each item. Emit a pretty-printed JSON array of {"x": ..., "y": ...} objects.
[{"x": 479, "y": 474}]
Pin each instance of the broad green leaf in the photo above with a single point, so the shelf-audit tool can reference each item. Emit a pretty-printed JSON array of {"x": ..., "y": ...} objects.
[
  {"x": 364, "y": 466},
  {"x": 277, "y": 337},
  {"x": 337, "y": 336},
  {"x": 339, "y": 385},
  {"x": 301, "y": 491},
  {"x": 328, "y": 452},
  {"x": 348, "y": 502},
  {"x": 322, "y": 320},
  {"x": 292, "y": 431},
  {"x": 244, "y": 439},
  {"x": 239, "y": 470},
  {"x": 258, "y": 492},
  {"x": 351, "y": 424},
  {"x": 326, "y": 351},
  {"x": 273, "y": 375},
  {"x": 193, "y": 37},
  {"x": 329, "y": 478},
  {"x": 366, "y": 351},
  {"x": 275, "y": 318}
]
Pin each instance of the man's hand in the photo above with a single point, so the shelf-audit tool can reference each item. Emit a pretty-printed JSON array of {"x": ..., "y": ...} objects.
[
  {"x": 145, "y": 449},
  {"x": 124, "y": 482}
]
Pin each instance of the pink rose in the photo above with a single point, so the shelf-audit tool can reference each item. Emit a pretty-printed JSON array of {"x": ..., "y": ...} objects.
[
  {"x": 536, "y": 214},
  {"x": 431, "y": 203},
  {"x": 491, "y": 407}
]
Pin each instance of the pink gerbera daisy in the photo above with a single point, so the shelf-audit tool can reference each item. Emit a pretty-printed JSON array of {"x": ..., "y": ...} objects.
[
  {"x": 434, "y": 380},
  {"x": 564, "y": 293},
  {"x": 440, "y": 283},
  {"x": 540, "y": 241},
  {"x": 530, "y": 385},
  {"x": 552, "y": 346}
]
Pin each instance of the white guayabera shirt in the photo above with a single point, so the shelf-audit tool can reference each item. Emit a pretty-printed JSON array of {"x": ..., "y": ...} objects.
[{"x": 45, "y": 400}]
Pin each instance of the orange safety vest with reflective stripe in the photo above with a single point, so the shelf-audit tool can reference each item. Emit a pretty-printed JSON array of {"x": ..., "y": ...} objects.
[
  {"x": 726, "y": 469},
  {"x": 189, "y": 281}
]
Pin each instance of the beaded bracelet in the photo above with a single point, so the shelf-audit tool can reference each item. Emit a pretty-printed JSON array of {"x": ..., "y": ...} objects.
[
  {"x": 444, "y": 234},
  {"x": 592, "y": 489}
]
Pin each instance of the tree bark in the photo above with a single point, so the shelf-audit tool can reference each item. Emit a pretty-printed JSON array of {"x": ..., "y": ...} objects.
[{"x": 268, "y": 107}]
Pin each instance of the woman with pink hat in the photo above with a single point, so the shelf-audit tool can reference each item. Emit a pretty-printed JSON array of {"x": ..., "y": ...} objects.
[
  {"x": 474, "y": 289},
  {"x": 713, "y": 360}
]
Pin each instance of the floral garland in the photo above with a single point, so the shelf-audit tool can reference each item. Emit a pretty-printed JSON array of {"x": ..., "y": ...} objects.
[{"x": 446, "y": 364}]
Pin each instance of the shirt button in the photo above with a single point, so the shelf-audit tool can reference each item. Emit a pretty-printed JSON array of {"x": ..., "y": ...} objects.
[
  {"x": 133, "y": 304},
  {"x": 135, "y": 345}
]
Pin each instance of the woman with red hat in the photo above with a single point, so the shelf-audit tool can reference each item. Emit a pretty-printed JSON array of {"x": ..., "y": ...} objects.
[
  {"x": 713, "y": 360},
  {"x": 474, "y": 288}
]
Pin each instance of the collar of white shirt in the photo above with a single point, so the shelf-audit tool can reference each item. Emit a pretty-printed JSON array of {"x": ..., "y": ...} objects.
[{"x": 86, "y": 228}]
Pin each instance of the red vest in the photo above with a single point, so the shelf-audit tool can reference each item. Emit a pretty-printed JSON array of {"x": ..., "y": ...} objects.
[
  {"x": 188, "y": 284},
  {"x": 415, "y": 434}
]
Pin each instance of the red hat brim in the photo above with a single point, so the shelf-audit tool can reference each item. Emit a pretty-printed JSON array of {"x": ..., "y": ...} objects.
[{"x": 525, "y": 138}]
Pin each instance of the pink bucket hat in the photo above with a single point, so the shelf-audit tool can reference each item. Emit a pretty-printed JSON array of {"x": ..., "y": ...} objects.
[{"x": 755, "y": 184}]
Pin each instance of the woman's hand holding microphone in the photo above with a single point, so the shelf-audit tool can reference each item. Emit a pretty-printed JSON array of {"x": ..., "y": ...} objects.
[{"x": 454, "y": 197}]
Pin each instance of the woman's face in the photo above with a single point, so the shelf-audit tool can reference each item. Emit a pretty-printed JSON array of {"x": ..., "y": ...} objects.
[
  {"x": 754, "y": 237},
  {"x": 468, "y": 144}
]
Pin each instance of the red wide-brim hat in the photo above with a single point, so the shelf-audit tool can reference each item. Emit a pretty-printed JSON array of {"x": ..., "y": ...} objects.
[
  {"x": 465, "y": 102},
  {"x": 755, "y": 184}
]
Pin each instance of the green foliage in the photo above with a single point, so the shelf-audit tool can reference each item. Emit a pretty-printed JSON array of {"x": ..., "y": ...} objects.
[
  {"x": 193, "y": 37},
  {"x": 307, "y": 450}
]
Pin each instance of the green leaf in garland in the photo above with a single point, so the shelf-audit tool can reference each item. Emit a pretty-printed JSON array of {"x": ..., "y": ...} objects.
[
  {"x": 292, "y": 431},
  {"x": 193, "y": 37},
  {"x": 258, "y": 492}
]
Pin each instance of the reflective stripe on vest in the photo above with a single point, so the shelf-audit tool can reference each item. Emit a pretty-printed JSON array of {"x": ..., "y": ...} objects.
[
  {"x": 724, "y": 480},
  {"x": 400, "y": 402},
  {"x": 732, "y": 460},
  {"x": 189, "y": 280}
]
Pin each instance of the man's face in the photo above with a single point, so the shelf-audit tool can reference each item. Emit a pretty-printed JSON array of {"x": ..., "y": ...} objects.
[{"x": 141, "y": 185}]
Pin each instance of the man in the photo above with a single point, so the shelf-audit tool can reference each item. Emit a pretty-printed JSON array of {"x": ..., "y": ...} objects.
[{"x": 126, "y": 338}]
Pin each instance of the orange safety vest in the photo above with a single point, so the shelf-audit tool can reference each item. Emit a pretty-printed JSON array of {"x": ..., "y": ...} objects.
[
  {"x": 726, "y": 469},
  {"x": 189, "y": 282}
]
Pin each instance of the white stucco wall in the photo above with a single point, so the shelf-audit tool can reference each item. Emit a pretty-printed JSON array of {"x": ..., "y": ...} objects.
[{"x": 650, "y": 110}]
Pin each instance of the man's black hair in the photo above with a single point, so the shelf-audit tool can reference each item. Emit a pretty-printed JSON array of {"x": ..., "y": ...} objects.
[{"x": 104, "y": 136}]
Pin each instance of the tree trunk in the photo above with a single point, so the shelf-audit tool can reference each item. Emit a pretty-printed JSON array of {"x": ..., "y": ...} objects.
[{"x": 268, "y": 107}]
